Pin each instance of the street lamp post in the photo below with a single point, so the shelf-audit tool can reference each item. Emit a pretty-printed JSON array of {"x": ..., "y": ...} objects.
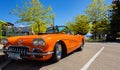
[{"x": 53, "y": 21}]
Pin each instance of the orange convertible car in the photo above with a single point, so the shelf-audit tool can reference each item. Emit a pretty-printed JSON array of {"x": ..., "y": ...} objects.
[{"x": 54, "y": 44}]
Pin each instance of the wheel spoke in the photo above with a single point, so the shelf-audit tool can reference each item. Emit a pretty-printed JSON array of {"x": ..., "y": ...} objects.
[{"x": 58, "y": 51}]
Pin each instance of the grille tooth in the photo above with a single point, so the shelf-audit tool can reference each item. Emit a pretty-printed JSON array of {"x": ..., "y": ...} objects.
[
  {"x": 19, "y": 50},
  {"x": 12, "y": 49},
  {"x": 15, "y": 49},
  {"x": 22, "y": 50},
  {"x": 9, "y": 49}
]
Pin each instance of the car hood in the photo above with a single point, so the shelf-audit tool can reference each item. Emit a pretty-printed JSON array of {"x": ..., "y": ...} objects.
[
  {"x": 34, "y": 36},
  {"x": 15, "y": 39}
]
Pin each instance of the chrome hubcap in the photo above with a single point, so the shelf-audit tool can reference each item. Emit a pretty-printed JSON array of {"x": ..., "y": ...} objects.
[{"x": 58, "y": 51}]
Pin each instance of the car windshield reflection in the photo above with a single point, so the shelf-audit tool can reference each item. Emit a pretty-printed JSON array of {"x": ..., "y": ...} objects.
[{"x": 58, "y": 29}]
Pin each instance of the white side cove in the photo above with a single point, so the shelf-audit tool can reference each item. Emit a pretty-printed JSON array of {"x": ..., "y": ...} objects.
[{"x": 86, "y": 66}]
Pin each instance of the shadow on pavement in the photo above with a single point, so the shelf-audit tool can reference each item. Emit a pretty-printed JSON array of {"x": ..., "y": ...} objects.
[
  {"x": 23, "y": 64},
  {"x": 29, "y": 64},
  {"x": 2, "y": 58},
  {"x": 26, "y": 65}
]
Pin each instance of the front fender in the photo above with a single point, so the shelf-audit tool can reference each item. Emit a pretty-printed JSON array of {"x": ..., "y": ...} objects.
[{"x": 50, "y": 43}]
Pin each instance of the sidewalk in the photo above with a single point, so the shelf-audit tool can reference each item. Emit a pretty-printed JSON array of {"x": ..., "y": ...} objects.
[
  {"x": 1, "y": 50},
  {"x": 0, "y": 46}
]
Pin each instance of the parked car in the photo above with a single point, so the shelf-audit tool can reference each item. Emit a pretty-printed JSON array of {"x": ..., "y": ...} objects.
[
  {"x": 54, "y": 44},
  {"x": 111, "y": 37}
]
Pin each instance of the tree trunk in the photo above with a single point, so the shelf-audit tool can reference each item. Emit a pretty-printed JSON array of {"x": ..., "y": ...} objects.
[
  {"x": 38, "y": 28},
  {"x": 95, "y": 35},
  {"x": 99, "y": 36}
]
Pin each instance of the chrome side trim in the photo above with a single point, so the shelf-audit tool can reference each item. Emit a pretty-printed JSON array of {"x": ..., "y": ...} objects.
[{"x": 41, "y": 54}]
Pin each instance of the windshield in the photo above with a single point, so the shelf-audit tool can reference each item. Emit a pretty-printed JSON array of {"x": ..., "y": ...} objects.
[{"x": 58, "y": 29}]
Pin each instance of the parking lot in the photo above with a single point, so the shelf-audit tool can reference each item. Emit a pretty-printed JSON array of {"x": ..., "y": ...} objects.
[{"x": 95, "y": 56}]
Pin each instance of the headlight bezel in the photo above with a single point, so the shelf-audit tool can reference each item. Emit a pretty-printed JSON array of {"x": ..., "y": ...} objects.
[
  {"x": 4, "y": 41},
  {"x": 38, "y": 42}
]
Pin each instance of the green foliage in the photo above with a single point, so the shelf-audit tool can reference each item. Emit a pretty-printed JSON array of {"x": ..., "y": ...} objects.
[
  {"x": 100, "y": 27},
  {"x": 80, "y": 25},
  {"x": 0, "y": 29},
  {"x": 115, "y": 17},
  {"x": 3, "y": 27},
  {"x": 35, "y": 27},
  {"x": 97, "y": 13},
  {"x": 97, "y": 10},
  {"x": 34, "y": 14}
]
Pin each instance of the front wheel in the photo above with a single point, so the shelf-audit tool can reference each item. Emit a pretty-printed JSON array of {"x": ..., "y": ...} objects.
[{"x": 57, "y": 55}]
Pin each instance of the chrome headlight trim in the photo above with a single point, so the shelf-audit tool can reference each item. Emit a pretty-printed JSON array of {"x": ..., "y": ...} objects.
[
  {"x": 38, "y": 42},
  {"x": 4, "y": 41}
]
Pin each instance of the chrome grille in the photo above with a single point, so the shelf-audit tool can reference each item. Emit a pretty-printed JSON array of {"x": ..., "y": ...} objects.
[{"x": 19, "y": 50}]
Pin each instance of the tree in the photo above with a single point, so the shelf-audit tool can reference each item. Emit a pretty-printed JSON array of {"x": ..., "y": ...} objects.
[
  {"x": 34, "y": 14},
  {"x": 115, "y": 17},
  {"x": 101, "y": 28},
  {"x": 80, "y": 25},
  {"x": 97, "y": 13},
  {"x": 3, "y": 28}
]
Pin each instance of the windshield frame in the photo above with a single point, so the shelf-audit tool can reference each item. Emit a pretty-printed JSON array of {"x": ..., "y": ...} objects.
[{"x": 56, "y": 29}]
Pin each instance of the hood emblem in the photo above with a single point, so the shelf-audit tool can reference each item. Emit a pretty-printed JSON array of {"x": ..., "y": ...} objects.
[{"x": 20, "y": 42}]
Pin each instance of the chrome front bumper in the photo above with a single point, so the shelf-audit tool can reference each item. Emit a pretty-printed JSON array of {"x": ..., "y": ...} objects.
[
  {"x": 12, "y": 55},
  {"x": 33, "y": 53}
]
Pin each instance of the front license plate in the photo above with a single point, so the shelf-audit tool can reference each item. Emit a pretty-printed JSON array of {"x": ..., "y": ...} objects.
[{"x": 14, "y": 55}]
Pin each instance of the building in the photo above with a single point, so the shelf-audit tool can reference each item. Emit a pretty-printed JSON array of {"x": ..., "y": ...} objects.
[
  {"x": 4, "y": 26},
  {"x": 18, "y": 31},
  {"x": 8, "y": 29}
]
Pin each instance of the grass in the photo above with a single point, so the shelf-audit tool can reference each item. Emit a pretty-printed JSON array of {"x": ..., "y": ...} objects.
[{"x": 3, "y": 37}]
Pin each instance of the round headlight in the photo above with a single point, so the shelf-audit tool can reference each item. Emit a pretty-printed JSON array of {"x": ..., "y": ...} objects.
[
  {"x": 4, "y": 41},
  {"x": 38, "y": 42}
]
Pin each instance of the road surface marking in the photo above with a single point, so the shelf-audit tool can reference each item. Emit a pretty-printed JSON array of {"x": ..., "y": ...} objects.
[{"x": 86, "y": 66}]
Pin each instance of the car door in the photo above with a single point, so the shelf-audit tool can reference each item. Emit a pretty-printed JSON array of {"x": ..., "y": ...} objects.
[{"x": 74, "y": 41}]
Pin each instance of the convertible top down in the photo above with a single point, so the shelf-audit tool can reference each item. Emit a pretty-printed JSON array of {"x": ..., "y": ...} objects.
[{"x": 54, "y": 44}]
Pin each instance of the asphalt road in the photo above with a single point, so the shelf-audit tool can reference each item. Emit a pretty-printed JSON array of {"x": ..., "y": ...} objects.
[{"x": 95, "y": 56}]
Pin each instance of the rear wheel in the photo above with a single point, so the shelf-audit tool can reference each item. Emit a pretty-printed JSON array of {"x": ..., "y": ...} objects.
[
  {"x": 81, "y": 46},
  {"x": 57, "y": 55}
]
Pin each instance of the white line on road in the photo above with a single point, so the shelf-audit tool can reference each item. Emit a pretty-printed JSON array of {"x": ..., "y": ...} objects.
[{"x": 86, "y": 66}]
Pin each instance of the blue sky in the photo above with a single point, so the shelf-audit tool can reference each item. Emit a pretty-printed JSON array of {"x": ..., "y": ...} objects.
[{"x": 65, "y": 10}]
